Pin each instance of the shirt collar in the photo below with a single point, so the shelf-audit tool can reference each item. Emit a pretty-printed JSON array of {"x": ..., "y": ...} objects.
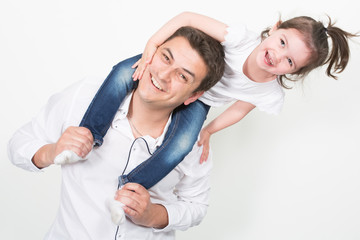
[
  {"x": 124, "y": 107},
  {"x": 122, "y": 114}
]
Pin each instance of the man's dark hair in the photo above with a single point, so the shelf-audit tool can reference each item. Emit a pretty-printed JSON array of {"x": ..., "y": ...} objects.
[{"x": 209, "y": 49}]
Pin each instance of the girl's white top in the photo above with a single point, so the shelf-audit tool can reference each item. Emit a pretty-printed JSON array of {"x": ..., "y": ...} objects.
[{"x": 234, "y": 85}]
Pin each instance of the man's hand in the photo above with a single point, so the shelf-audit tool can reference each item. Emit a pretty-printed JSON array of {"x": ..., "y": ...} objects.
[
  {"x": 139, "y": 208},
  {"x": 76, "y": 139}
]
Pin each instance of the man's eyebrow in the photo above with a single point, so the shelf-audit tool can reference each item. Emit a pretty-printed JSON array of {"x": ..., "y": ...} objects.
[{"x": 172, "y": 57}]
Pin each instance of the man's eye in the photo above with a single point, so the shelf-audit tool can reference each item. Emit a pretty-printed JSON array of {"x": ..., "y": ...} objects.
[
  {"x": 166, "y": 58},
  {"x": 182, "y": 76}
]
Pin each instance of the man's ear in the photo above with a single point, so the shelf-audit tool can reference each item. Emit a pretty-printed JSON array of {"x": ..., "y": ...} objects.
[
  {"x": 193, "y": 97},
  {"x": 275, "y": 27}
]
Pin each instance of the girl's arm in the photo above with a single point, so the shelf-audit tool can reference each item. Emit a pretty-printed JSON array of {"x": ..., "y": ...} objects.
[
  {"x": 230, "y": 116},
  {"x": 210, "y": 26}
]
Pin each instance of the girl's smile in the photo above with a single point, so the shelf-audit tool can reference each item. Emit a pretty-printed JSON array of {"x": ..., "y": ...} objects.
[{"x": 268, "y": 59}]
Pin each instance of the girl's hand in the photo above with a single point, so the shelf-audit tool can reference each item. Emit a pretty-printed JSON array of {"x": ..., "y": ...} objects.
[
  {"x": 146, "y": 58},
  {"x": 205, "y": 142}
]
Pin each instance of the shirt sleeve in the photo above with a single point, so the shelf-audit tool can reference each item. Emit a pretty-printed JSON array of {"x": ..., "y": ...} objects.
[
  {"x": 45, "y": 128},
  {"x": 192, "y": 193},
  {"x": 272, "y": 103},
  {"x": 238, "y": 36}
]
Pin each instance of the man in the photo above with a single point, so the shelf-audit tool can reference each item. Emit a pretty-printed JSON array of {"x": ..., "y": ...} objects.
[{"x": 179, "y": 201}]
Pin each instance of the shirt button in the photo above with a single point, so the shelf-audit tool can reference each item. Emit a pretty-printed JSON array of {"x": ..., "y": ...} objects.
[{"x": 120, "y": 236}]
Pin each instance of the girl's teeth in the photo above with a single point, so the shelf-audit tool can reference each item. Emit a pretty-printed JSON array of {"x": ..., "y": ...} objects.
[{"x": 269, "y": 60}]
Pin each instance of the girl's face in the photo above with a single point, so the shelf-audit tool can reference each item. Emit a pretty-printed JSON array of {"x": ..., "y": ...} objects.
[{"x": 283, "y": 52}]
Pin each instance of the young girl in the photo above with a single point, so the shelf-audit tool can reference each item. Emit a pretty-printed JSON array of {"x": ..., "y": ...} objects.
[{"x": 255, "y": 73}]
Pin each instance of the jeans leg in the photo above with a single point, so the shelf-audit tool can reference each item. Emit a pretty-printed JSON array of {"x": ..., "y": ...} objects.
[
  {"x": 179, "y": 140},
  {"x": 107, "y": 100}
]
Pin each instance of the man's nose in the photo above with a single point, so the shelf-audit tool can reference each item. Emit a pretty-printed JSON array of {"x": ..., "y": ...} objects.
[{"x": 164, "y": 74}]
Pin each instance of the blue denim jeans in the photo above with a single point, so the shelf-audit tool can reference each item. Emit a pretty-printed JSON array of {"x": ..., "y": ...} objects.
[
  {"x": 108, "y": 98},
  {"x": 179, "y": 139}
]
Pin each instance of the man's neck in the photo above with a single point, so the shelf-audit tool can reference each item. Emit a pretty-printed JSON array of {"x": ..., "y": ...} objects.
[{"x": 146, "y": 120}]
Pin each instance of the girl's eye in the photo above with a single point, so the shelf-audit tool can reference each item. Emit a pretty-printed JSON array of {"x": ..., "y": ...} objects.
[
  {"x": 282, "y": 42},
  {"x": 290, "y": 62}
]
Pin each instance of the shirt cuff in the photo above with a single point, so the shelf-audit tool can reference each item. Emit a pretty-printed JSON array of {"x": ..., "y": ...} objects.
[
  {"x": 24, "y": 157},
  {"x": 29, "y": 153},
  {"x": 169, "y": 208}
]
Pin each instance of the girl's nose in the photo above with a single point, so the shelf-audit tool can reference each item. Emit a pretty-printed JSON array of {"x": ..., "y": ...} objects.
[{"x": 282, "y": 56}]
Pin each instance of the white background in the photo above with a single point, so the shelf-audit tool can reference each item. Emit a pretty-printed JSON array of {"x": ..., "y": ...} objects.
[{"x": 292, "y": 176}]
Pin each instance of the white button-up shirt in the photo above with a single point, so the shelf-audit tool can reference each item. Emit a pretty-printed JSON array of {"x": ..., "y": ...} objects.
[{"x": 86, "y": 185}]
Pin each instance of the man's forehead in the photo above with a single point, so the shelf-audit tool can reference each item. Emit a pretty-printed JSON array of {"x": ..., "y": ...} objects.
[
  {"x": 180, "y": 50},
  {"x": 177, "y": 43}
]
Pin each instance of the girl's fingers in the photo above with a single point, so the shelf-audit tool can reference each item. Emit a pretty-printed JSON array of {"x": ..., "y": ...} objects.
[
  {"x": 204, "y": 155},
  {"x": 136, "y": 64}
]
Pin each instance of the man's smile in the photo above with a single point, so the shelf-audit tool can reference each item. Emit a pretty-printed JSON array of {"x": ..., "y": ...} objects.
[{"x": 156, "y": 83}]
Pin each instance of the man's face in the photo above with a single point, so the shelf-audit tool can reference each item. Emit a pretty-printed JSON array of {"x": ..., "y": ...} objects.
[{"x": 174, "y": 73}]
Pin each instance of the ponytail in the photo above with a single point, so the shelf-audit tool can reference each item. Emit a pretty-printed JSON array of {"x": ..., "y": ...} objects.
[{"x": 339, "y": 54}]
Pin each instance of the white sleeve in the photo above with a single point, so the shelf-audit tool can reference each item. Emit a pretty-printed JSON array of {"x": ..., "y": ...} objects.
[
  {"x": 192, "y": 193},
  {"x": 273, "y": 102},
  {"x": 46, "y": 127},
  {"x": 237, "y": 37}
]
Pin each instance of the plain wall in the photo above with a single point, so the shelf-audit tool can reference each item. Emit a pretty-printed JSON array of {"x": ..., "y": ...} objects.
[{"x": 291, "y": 176}]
